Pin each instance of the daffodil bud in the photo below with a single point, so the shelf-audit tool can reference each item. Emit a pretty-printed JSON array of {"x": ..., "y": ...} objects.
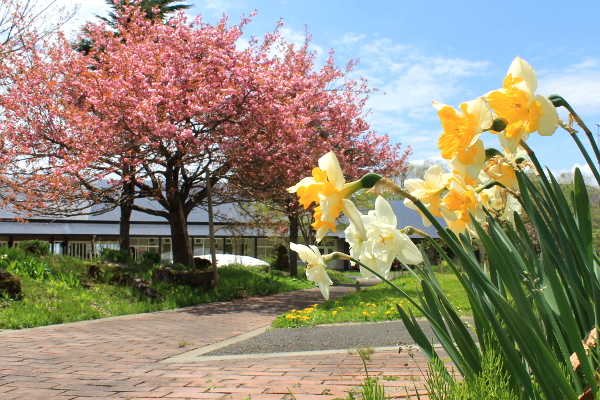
[
  {"x": 369, "y": 180},
  {"x": 488, "y": 185},
  {"x": 491, "y": 152},
  {"x": 411, "y": 230},
  {"x": 499, "y": 124},
  {"x": 558, "y": 101},
  {"x": 336, "y": 256}
]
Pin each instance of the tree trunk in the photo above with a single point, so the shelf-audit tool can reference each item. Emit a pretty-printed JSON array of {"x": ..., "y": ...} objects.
[
  {"x": 126, "y": 209},
  {"x": 124, "y": 225},
  {"x": 211, "y": 231},
  {"x": 180, "y": 239},
  {"x": 293, "y": 239}
]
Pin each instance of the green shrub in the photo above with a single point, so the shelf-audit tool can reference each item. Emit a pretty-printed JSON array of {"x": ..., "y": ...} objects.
[
  {"x": 116, "y": 256},
  {"x": 36, "y": 246},
  {"x": 151, "y": 258},
  {"x": 11, "y": 254}
]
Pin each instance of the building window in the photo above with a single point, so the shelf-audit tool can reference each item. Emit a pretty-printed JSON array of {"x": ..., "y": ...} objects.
[
  {"x": 141, "y": 245},
  {"x": 265, "y": 247}
]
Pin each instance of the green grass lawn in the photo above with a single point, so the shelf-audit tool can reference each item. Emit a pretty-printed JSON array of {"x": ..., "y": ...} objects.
[
  {"x": 373, "y": 304},
  {"x": 55, "y": 290}
]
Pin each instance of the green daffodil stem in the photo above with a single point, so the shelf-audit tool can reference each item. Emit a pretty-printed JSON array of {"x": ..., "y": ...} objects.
[
  {"x": 584, "y": 152},
  {"x": 559, "y": 101},
  {"x": 539, "y": 171}
]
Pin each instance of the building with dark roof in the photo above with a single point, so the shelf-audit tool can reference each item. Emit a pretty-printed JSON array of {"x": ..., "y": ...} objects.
[{"x": 84, "y": 236}]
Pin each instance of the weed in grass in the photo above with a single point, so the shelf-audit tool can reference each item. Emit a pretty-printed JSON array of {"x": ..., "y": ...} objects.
[
  {"x": 184, "y": 343},
  {"x": 365, "y": 354},
  {"x": 370, "y": 389}
]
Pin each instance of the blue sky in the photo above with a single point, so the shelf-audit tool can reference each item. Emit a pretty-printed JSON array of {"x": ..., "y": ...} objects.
[{"x": 418, "y": 51}]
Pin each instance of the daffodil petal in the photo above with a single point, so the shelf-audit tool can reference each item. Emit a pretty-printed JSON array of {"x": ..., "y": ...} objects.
[
  {"x": 385, "y": 211},
  {"x": 355, "y": 217},
  {"x": 479, "y": 108},
  {"x": 520, "y": 68},
  {"x": 409, "y": 253},
  {"x": 549, "y": 119},
  {"x": 330, "y": 163}
]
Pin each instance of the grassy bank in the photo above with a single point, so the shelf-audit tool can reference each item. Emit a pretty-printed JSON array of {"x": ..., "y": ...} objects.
[{"x": 56, "y": 290}]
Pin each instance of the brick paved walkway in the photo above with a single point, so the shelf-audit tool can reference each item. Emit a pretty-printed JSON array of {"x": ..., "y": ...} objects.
[{"x": 135, "y": 357}]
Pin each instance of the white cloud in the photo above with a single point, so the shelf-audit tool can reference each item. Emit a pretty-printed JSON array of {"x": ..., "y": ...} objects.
[
  {"x": 410, "y": 79},
  {"x": 349, "y": 38},
  {"x": 216, "y": 5},
  {"x": 298, "y": 38},
  {"x": 588, "y": 176},
  {"x": 579, "y": 84}
]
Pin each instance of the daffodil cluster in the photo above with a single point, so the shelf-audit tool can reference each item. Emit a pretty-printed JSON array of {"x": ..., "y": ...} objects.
[
  {"x": 484, "y": 179},
  {"x": 374, "y": 238},
  {"x": 480, "y": 179}
]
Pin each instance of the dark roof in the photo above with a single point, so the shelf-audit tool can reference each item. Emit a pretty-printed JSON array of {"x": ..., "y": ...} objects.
[{"x": 143, "y": 224}]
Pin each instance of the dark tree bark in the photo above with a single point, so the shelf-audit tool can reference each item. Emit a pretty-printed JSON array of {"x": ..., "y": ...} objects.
[{"x": 294, "y": 224}]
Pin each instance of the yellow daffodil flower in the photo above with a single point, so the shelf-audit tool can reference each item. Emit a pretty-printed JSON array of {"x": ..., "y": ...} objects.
[
  {"x": 502, "y": 169},
  {"x": 316, "y": 268},
  {"x": 429, "y": 191},
  {"x": 498, "y": 201},
  {"x": 460, "y": 141},
  {"x": 461, "y": 202},
  {"x": 326, "y": 188},
  {"x": 524, "y": 111}
]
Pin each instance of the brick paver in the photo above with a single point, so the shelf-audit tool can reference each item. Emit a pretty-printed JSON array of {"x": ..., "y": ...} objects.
[{"x": 122, "y": 358}]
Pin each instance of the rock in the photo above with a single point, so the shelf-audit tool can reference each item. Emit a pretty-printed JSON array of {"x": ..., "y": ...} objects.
[
  {"x": 10, "y": 285},
  {"x": 201, "y": 279},
  {"x": 120, "y": 280},
  {"x": 148, "y": 291},
  {"x": 94, "y": 272},
  {"x": 202, "y": 263},
  {"x": 142, "y": 284}
]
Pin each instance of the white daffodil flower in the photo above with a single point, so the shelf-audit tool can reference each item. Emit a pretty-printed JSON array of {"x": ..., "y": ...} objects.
[
  {"x": 387, "y": 242},
  {"x": 316, "y": 268}
]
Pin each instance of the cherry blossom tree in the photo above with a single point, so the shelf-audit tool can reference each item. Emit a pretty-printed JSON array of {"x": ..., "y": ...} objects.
[
  {"x": 332, "y": 119},
  {"x": 161, "y": 107}
]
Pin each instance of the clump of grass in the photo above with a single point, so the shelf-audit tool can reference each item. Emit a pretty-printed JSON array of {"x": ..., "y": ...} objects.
[{"x": 373, "y": 304}]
